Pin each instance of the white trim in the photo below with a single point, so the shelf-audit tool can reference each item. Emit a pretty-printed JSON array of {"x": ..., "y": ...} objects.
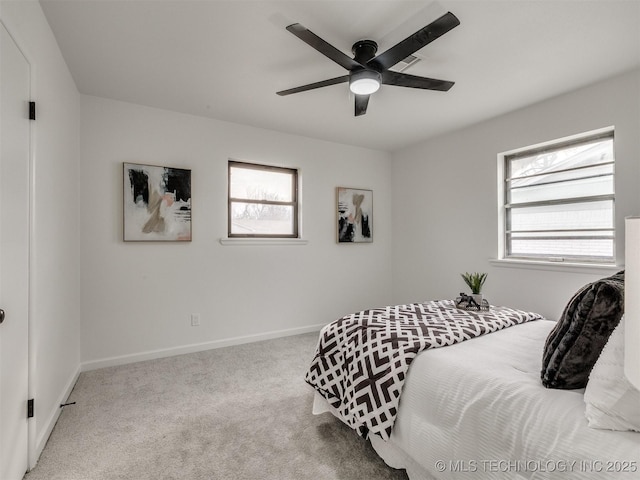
[
  {"x": 196, "y": 347},
  {"x": 501, "y": 209},
  {"x": 32, "y": 450},
  {"x": 263, "y": 241},
  {"x": 41, "y": 441},
  {"x": 569, "y": 138},
  {"x": 556, "y": 266}
]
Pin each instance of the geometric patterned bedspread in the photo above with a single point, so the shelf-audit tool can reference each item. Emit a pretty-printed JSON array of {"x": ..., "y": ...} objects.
[{"x": 362, "y": 359}]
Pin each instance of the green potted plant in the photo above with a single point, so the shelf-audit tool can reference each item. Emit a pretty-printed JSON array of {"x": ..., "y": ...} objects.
[{"x": 475, "y": 281}]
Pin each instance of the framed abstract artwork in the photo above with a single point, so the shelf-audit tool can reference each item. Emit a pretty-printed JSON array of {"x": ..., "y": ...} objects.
[
  {"x": 355, "y": 215},
  {"x": 157, "y": 203}
]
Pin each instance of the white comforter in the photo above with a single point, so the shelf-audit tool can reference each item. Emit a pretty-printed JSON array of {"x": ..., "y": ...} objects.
[{"x": 477, "y": 409}]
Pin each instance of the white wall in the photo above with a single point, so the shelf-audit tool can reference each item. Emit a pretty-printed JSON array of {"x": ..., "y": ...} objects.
[
  {"x": 54, "y": 271},
  {"x": 137, "y": 297},
  {"x": 445, "y": 201}
]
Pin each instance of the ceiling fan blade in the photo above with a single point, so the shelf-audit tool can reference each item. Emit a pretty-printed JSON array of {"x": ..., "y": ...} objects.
[
  {"x": 323, "y": 47},
  {"x": 312, "y": 86},
  {"x": 415, "y": 42},
  {"x": 412, "y": 81},
  {"x": 361, "y": 104}
]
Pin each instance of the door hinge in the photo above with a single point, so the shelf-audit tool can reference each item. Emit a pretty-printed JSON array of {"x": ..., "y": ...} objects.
[
  {"x": 32, "y": 110},
  {"x": 30, "y": 406}
]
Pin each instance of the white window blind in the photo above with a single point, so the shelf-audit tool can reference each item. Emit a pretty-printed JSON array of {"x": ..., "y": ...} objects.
[{"x": 559, "y": 201}]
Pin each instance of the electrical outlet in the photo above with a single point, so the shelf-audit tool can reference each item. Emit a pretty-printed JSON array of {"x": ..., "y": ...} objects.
[{"x": 195, "y": 319}]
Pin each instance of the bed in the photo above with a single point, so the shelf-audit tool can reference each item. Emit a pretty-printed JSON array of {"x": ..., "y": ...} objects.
[{"x": 478, "y": 409}]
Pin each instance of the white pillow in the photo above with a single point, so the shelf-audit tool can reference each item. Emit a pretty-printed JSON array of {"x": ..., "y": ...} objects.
[{"x": 612, "y": 402}]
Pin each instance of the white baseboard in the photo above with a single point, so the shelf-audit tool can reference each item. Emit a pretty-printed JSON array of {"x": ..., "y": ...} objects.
[
  {"x": 50, "y": 422},
  {"x": 196, "y": 347}
]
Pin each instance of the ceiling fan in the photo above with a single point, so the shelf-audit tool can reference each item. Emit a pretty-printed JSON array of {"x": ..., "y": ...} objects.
[{"x": 367, "y": 71}]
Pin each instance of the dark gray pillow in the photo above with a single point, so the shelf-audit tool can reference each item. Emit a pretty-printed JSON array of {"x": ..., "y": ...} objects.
[{"x": 575, "y": 343}]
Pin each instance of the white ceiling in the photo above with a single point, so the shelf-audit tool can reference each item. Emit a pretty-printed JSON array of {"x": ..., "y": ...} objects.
[{"x": 225, "y": 59}]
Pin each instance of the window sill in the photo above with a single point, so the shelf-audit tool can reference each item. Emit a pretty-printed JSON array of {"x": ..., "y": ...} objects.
[
  {"x": 263, "y": 241},
  {"x": 557, "y": 266}
]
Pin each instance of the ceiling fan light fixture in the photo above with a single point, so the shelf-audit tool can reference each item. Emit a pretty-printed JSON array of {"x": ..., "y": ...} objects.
[{"x": 365, "y": 82}]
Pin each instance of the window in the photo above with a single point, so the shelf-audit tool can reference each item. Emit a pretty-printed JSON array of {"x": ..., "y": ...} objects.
[
  {"x": 558, "y": 201},
  {"x": 263, "y": 201}
]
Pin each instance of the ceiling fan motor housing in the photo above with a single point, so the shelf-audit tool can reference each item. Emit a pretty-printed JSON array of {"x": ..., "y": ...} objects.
[
  {"x": 364, "y": 50},
  {"x": 364, "y": 81}
]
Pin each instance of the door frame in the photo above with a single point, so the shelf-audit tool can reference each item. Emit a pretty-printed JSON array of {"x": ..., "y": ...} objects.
[{"x": 32, "y": 456}]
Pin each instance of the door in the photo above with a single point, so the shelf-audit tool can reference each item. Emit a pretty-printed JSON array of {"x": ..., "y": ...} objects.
[{"x": 14, "y": 257}]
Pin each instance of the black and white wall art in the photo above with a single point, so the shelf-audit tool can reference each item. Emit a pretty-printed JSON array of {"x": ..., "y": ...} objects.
[
  {"x": 157, "y": 203},
  {"x": 355, "y": 215}
]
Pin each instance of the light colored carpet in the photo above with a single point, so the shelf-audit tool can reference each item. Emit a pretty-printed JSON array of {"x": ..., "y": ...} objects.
[{"x": 234, "y": 413}]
